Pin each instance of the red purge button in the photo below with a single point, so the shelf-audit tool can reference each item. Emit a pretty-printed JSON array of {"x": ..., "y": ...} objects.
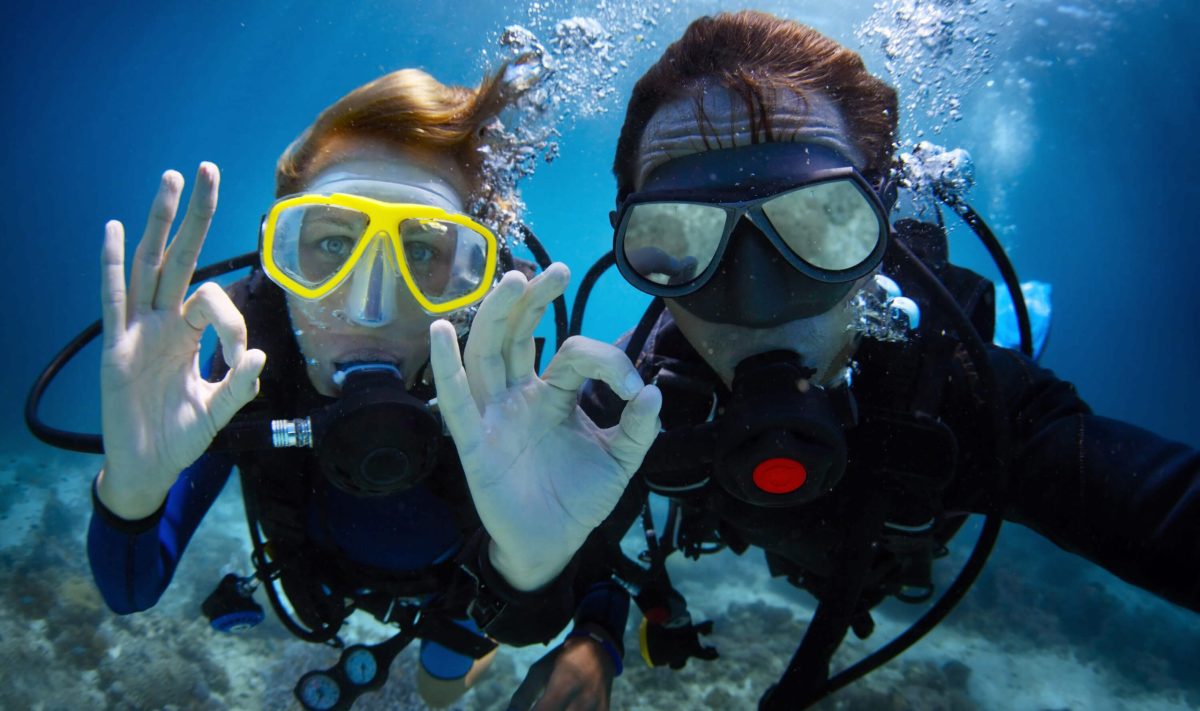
[
  {"x": 780, "y": 475},
  {"x": 656, "y": 615}
]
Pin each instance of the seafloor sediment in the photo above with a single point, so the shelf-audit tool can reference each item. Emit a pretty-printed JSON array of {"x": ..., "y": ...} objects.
[{"x": 1029, "y": 636}]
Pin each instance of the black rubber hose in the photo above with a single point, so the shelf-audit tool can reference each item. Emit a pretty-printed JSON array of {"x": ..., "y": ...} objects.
[
  {"x": 1000, "y": 257},
  {"x": 92, "y": 443},
  {"x": 585, "y": 290},
  {"x": 933, "y": 617},
  {"x": 560, "y": 304},
  {"x": 633, "y": 349},
  {"x": 992, "y": 524},
  {"x": 263, "y": 571}
]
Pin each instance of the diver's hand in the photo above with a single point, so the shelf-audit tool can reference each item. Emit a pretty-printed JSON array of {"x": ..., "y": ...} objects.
[
  {"x": 541, "y": 473},
  {"x": 158, "y": 414},
  {"x": 575, "y": 676}
]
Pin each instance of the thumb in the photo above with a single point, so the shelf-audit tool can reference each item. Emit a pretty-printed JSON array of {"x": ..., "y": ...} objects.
[
  {"x": 239, "y": 387},
  {"x": 637, "y": 429}
]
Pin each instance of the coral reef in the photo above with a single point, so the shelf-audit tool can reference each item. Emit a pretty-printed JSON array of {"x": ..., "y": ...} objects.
[{"x": 1034, "y": 625}]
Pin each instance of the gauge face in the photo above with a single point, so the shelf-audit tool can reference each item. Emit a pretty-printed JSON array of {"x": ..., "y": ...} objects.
[
  {"x": 360, "y": 666},
  {"x": 319, "y": 691}
]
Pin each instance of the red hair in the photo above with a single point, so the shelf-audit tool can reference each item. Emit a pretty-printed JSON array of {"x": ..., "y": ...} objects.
[{"x": 408, "y": 108}]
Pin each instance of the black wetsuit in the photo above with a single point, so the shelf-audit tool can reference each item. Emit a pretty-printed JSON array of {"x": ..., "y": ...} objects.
[
  {"x": 1118, "y": 495},
  {"x": 931, "y": 436}
]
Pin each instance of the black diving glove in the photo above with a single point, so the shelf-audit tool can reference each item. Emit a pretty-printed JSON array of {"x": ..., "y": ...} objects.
[{"x": 672, "y": 646}]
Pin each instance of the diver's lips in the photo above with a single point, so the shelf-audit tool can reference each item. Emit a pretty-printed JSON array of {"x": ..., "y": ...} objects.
[{"x": 368, "y": 355}]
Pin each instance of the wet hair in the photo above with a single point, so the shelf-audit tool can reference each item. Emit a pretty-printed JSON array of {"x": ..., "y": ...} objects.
[
  {"x": 754, "y": 54},
  {"x": 408, "y": 108}
]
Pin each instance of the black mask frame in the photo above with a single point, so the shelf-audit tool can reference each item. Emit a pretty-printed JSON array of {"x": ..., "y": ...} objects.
[{"x": 739, "y": 181}]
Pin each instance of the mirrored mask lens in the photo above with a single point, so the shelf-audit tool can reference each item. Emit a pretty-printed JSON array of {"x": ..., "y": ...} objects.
[
  {"x": 446, "y": 260},
  {"x": 312, "y": 242},
  {"x": 671, "y": 243},
  {"x": 829, "y": 225}
]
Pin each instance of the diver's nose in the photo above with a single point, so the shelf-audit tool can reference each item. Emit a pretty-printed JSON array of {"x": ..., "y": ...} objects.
[
  {"x": 752, "y": 273},
  {"x": 755, "y": 286},
  {"x": 373, "y": 285}
]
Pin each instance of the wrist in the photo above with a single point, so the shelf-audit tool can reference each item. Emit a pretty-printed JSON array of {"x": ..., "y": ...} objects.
[
  {"x": 596, "y": 634},
  {"x": 126, "y": 502},
  {"x": 514, "y": 617},
  {"x": 525, "y": 578},
  {"x": 131, "y": 527}
]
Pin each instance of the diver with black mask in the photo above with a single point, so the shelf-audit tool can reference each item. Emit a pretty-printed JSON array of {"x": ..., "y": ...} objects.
[
  {"x": 747, "y": 223},
  {"x": 831, "y": 394},
  {"x": 321, "y": 393}
]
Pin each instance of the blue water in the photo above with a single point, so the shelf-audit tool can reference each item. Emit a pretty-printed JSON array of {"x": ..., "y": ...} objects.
[{"x": 1084, "y": 144}]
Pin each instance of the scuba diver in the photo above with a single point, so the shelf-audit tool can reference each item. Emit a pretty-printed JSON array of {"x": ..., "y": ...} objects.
[
  {"x": 831, "y": 394},
  {"x": 320, "y": 393}
]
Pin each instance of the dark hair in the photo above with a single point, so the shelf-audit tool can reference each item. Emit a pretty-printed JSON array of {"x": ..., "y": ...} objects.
[{"x": 752, "y": 53}]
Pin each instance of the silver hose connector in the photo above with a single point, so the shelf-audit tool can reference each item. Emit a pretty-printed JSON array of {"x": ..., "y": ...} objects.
[{"x": 291, "y": 433}]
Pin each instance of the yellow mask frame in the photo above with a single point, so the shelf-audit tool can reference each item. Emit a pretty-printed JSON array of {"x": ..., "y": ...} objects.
[{"x": 381, "y": 217}]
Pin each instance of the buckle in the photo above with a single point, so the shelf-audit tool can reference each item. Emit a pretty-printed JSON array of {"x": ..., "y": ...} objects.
[{"x": 485, "y": 606}]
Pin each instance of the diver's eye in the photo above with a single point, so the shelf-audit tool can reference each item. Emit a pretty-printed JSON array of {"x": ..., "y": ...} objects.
[
  {"x": 420, "y": 254},
  {"x": 336, "y": 247}
]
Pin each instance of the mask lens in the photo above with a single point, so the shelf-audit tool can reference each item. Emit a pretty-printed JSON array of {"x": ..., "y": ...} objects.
[
  {"x": 829, "y": 225},
  {"x": 312, "y": 242},
  {"x": 671, "y": 243},
  {"x": 446, "y": 260}
]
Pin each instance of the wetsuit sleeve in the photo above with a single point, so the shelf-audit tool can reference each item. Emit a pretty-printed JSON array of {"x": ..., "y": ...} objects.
[
  {"x": 133, "y": 561},
  {"x": 1116, "y": 494},
  {"x": 601, "y": 614}
]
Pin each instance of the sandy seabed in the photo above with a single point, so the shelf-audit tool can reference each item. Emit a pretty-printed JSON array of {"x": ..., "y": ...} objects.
[{"x": 1012, "y": 644}]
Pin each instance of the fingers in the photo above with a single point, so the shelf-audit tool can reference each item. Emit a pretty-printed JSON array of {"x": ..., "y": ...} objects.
[
  {"x": 458, "y": 408},
  {"x": 637, "y": 429},
  {"x": 484, "y": 359},
  {"x": 143, "y": 280},
  {"x": 112, "y": 282},
  {"x": 211, "y": 305},
  {"x": 519, "y": 349},
  {"x": 179, "y": 262},
  {"x": 581, "y": 359},
  {"x": 239, "y": 387},
  {"x": 557, "y": 698}
]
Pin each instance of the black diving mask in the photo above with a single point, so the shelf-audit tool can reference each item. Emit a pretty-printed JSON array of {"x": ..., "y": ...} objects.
[{"x": 755, "y": 236}]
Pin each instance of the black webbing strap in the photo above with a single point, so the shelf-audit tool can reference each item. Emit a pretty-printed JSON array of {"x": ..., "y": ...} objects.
[
  {"x": 437, "y": 628},
  {"x": 808, "y": 671}
]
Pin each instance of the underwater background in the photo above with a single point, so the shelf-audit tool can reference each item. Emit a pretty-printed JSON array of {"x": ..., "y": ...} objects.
[{"x": 1081, "y": 121}]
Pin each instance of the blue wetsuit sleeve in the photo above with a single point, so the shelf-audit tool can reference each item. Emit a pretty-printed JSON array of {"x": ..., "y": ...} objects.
[
  {"x": 605, "y": 605},
  {"x": 1106, "y": 490},
  {"x": 133, "y": 561}
]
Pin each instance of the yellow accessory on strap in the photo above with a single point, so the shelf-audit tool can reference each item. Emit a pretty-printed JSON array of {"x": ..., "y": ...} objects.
[{"x": 644, "y": 644}]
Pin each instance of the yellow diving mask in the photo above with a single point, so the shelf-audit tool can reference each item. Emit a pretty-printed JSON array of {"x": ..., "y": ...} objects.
[{"x": 312, "y": 243}]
